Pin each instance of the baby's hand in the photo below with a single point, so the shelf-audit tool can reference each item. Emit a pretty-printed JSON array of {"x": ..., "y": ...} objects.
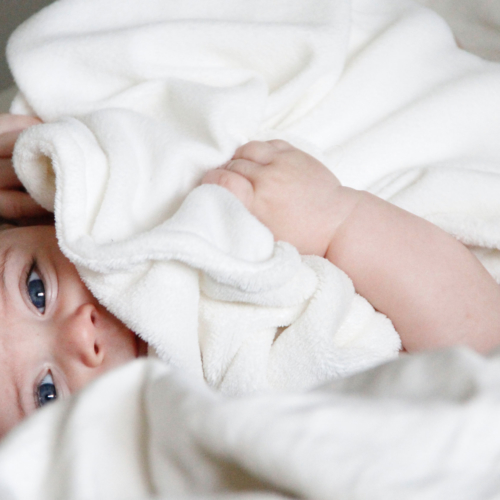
[
  {"x": 289, "y": 191},
  {"x": 15, "y": 204}
]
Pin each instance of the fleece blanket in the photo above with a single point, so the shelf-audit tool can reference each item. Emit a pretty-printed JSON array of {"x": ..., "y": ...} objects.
[
  {"x": 141, "y": 98},
  {"x": 420, "y": 427},
  {"x": 416, "y": 427}
]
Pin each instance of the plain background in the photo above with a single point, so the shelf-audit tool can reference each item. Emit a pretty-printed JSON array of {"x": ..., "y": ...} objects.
[{"x": 13, "y": 13}]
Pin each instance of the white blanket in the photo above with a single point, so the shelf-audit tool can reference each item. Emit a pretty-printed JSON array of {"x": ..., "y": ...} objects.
[
  {"x": 421, "y": 427},
  {"x": 417, "y": 427},
  {"x": 159, "y": 92}
]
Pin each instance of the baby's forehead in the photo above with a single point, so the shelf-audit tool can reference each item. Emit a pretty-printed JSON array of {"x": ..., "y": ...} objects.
[
  {"x": 21, "y": 242},
  {"x": 11, "y": 239},
  {"x": 3, "y": 245}
]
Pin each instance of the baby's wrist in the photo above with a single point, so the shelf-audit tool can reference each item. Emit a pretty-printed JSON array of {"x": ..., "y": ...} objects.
[{"x": 344, "y": 206}]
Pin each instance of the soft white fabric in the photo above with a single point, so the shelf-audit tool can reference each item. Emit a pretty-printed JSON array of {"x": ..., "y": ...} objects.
[
  {"x": 475, "y": 23},
  {"x": 419, "y": 427},
  {"x": 158, "y": 93},
  {"x": 162, "y": 92}
]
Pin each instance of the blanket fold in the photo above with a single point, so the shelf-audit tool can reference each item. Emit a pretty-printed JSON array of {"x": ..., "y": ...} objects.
[
  {"x": 141, "y": 103},
  {"x": 401, "y": 112},
  {"x": 417, "y": 427}
]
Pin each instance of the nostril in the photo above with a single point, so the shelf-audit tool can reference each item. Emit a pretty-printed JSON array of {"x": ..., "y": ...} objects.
[
  {"x": 93, "y": 316},
  {"x": 96, "y": 349}
]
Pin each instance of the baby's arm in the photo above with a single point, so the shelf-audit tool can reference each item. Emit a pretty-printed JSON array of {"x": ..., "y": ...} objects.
[
  {"x": 15, "y": 204},
  {"x": 430, "y": 285}
]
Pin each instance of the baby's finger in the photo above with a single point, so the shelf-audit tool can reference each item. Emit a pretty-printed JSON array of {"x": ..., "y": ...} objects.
[
  {"x": 8, "y": 177},
  {"x": 240, "y": 186},
  {"x": 281, "y": 145},
  {"x": 7, "y": 141},
  {"x": 256, "y": 151},
  {"x": 18, "y": 205},
  {"x": 262, "y": 152},
  {"x": 10, "y": 122},
  {"x": 248, "y": 169}
]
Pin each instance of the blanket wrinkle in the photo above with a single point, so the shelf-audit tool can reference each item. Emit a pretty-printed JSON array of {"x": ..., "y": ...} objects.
[
  {"x": 373, "y": 87},
  {"x": 417, "y": 427},
  {"x": 128, "y": 142},
  {"x": 395, "y": 121}
]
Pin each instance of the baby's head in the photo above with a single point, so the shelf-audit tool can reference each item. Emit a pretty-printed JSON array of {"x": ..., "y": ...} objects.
[{"x": 54, "y": 336}]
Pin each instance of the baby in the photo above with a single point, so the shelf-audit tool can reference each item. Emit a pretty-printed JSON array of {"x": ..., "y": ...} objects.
[{"x": 55, "y": 337}]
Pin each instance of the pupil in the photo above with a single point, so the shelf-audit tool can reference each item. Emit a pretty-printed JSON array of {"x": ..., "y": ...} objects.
[
  {"x": 37, "y": 293},
  {"x": 46, "y": 394}
]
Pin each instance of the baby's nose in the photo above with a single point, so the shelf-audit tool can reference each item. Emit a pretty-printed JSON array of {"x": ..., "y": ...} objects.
[{"x": 81, "y": 336}]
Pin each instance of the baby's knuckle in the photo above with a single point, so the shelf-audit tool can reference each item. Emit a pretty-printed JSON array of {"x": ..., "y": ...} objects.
[
  {"x": 251, "y": 149},
  {"x": 280, "y": 144},
  {"x": 228, "y": 180}
]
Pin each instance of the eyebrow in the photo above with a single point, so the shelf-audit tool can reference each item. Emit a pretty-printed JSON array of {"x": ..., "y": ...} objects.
[{"x": 4, "y": 257}]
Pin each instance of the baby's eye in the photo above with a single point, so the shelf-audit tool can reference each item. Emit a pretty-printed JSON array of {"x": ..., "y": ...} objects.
[
  {"x": 36, "y": 290},
  {"x": 46, "y": 391}
]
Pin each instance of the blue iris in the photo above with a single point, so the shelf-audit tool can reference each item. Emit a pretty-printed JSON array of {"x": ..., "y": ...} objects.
[
  {"x": 46, "y": 390},
  {"x": 36, "y": 290}
]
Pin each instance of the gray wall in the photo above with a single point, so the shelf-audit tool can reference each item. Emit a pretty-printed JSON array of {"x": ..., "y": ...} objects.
[{"x": 13, "y": 13}]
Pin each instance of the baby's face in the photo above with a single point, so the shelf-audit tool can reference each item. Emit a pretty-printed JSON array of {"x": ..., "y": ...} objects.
[{"x": 54, "y": 335}]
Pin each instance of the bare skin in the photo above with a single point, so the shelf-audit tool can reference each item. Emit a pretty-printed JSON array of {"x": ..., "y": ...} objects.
[
  {"x": 431, "y": 286},
  {"x": 55, "y": 337},
  {"x": 433, "y": 289},
  {"x": 50, "y": 325},
  {"x": 15, "y": 204}
]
